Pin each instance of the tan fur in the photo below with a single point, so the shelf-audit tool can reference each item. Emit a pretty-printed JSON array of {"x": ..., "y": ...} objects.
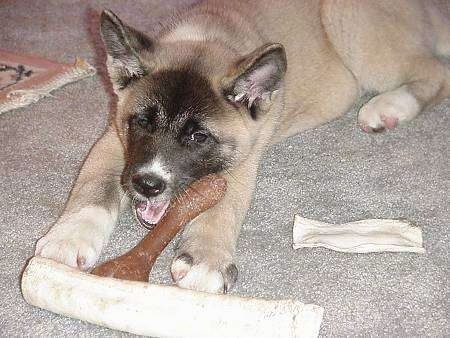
[{"x": 336, "y": 50}]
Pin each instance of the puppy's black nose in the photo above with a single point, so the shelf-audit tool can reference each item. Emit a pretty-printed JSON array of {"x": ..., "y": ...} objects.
[{"x": 148, "y": 185}]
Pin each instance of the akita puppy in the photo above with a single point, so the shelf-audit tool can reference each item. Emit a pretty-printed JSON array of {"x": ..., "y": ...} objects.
[{"x": 220, "y": 83}]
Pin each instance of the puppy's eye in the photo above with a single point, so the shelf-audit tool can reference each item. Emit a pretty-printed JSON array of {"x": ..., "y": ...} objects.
[
  {"x": 142, "y": 121},
  {"x": 199, "y": 136}
]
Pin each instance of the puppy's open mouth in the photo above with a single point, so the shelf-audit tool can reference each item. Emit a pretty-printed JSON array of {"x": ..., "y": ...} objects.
[{"x": 150, "y": 213}]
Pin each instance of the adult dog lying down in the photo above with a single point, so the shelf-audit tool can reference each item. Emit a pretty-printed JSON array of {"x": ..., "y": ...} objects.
[{"x": 224, "y": 80}]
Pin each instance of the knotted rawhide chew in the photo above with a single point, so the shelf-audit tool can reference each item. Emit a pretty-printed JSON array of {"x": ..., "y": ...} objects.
[{"x": 138, "y": 262}]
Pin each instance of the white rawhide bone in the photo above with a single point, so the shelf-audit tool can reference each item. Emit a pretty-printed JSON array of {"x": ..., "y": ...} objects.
[
  {"x": 369, "y": 235},
  {"x": 162, "y": 311}
]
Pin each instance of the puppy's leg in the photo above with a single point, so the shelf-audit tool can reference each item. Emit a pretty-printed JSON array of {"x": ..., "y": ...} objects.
[
  {"x": 78, "y": 236},
  {"x": 204, "y": 258},
  {"x": 392, "y": 54},
  {"x": 429, "y": 81}
]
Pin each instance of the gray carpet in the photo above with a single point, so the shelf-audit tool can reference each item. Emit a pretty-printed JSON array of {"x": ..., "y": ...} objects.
[{"x": 335, "y": 173}]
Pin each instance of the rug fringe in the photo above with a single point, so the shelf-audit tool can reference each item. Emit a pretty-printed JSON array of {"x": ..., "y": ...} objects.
[{"x": 23, "y": 97}]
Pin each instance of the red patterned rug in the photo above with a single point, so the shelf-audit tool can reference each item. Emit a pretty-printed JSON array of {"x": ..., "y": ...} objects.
[{"x": 26, "y": 79}]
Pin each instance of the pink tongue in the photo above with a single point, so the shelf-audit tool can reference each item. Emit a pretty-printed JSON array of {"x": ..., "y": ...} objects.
[{"x": 151, "y": 212}]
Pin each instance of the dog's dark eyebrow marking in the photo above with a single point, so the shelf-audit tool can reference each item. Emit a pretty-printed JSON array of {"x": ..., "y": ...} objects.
[{"x": 150, "y": 110}]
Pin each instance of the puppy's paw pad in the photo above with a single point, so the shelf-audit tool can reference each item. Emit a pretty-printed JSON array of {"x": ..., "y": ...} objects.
[
  {"x": 387, "y": 110},
  {"x": 389, "y": 122},
  {"x": 371, "y": 120},
  {"x": 368, "y": 129},
  {"x": 77, "y": 239},
  {"x": 202, "y": 276},
  {"x": 76, "y": 253},
  {"x": 181, "y": 266}
]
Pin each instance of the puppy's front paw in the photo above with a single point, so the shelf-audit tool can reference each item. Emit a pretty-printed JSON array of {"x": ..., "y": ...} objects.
[
  {"x": 76, "y": 240},
  {"x": 204, "y": 271},
  {"x": 387, "y": 110}
]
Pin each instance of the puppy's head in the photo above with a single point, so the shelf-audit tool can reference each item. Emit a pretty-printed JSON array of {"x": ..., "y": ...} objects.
[{"x": 185, "y": 109}]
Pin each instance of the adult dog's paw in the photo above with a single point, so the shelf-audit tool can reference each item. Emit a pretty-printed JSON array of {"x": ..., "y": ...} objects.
[
  {"x": 204, "y": 271},
  {"x": 76, "y": 240}
]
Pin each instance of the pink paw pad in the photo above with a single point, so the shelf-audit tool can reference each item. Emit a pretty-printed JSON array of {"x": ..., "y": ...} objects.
[
  {"x": 389, "y": 122},
  {"x": 365, "y": 128}
]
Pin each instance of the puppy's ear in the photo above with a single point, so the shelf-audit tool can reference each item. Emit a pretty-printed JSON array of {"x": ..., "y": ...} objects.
[
  {"x": 123, "y": 47},
  {"x": 255, "y": 77}
]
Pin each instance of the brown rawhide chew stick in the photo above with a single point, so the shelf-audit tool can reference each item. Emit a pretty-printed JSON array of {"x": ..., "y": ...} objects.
[{"x": 137, "y": 263}]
